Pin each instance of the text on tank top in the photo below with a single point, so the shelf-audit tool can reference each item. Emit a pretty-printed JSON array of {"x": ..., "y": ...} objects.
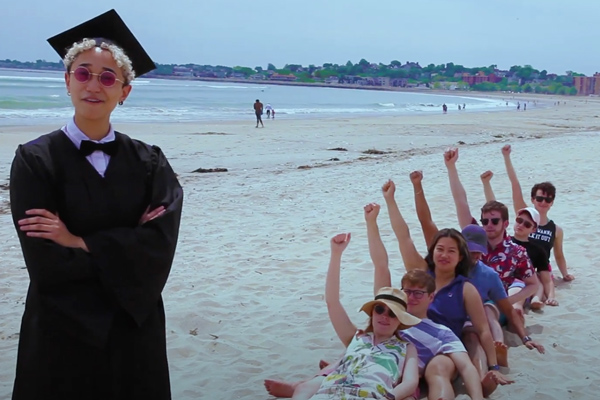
[{"x": 545, "y": 236}]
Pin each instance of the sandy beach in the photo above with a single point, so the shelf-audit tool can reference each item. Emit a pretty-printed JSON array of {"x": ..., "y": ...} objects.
[{"x": 245, "y": 298}]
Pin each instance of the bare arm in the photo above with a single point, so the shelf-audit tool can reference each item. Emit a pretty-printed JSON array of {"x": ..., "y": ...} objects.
[
  {"x": 377, "y": 251},
  {"x": 410, "y": 256},
  {"x": 475, "y": 310},
  {"x": 517, "y": 193},
  {"x": 469, "y": 374},
  {"x": 486, "y": 180},
  {"x": 511, "y": 314},
  {"x": 342, "y": 324},
  {"x": 458, "y": 191},
  {"x": 546, "y": 281},
  {"x": 410, "y": 375},
  {"x": 531, "y": 285},
  {"x": 559, "y": 255},
  {"x": 428, "y": 227}
]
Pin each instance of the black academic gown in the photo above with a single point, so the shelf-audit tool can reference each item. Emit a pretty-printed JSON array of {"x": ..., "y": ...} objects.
[{"x": 94, "y": 323}]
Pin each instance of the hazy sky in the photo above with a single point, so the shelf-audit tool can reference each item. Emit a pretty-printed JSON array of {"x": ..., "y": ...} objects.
[{"x": 549, "y": 34}]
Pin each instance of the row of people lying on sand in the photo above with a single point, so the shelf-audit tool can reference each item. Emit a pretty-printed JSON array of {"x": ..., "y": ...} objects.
[{"x": 468, "y": 286}]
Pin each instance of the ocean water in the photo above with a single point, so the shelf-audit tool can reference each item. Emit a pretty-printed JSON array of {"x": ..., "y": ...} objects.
[{"x": 39, "y": 97}]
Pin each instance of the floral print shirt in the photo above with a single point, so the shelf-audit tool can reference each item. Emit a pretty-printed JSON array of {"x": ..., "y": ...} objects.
[
  {"x": 510, "y": 261},
  {"x": 366, "y": 370}
]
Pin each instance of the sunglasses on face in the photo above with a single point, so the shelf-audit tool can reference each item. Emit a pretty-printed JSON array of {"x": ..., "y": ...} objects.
[
  {"x": 106, "y": 78},
  {"x": 379, "y": 309},
  {"x": 485, "y": 221},
  {"x": 523, "y": 222},
  {"x": 547, "y": 199},
  {"x": 417, "y": 294}
]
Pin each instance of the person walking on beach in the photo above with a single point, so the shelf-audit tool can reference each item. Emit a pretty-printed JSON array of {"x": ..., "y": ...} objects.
[
  {"x": 445, "y": 108},
  {"x": 97, "y": 215},
  {"x": 268, "y": 108},
  {"x": 258, "y": 110}
]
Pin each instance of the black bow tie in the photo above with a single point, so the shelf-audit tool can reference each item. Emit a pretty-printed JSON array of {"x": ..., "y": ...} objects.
[{"x": 88, "y": 147}]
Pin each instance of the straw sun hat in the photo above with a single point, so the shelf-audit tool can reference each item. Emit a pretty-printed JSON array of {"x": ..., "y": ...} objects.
[{"x": 395, "y": 300}]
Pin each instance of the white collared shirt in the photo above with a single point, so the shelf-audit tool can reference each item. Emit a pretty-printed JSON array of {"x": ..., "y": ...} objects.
[{"x": 98, "y": 159}]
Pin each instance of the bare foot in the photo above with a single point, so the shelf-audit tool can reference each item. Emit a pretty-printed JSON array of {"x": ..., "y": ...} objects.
[
  {"x": 536, "y": 303},
  {"x": 488, "y": 384},
  {"x": 552, "y": 302},
  {"x": 323, "y": 364},
  {"x": 501, "y": 354},
  {"x": 280, "y": 388},
  {"x": 491, "y": 380}
]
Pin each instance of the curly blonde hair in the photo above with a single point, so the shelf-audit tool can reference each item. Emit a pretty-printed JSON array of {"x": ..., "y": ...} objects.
[{"x": 117, "y": 52}]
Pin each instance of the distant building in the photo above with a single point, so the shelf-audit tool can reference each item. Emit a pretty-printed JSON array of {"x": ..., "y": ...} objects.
[
  {"x": 182, "y": 71},
  {"x": 206, "y": 75},
  {"x": 332, "y": 79},
  {"x": 382, "y": 81},
  {"x": 281, "y": 77},
  {"x": 480, "y": 78},
  {"x": 587, "y": 85},
  {"x": 399, "y": 82},
  {"x": 410, "y": 65}
]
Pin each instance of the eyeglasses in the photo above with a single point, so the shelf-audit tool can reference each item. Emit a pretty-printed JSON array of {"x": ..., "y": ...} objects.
[
  {"x": 523, "y": 222},
  {"x": 547, "y": 199},
  {"x": 417, "y": 294},
  {"x": 379, "y": 309},
  {"x": 485, "y": 221},
  {"x": 106, "y": 78}
]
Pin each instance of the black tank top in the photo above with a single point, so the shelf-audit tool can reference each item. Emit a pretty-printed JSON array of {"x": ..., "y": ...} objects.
[{"x": 545, "y": 236}]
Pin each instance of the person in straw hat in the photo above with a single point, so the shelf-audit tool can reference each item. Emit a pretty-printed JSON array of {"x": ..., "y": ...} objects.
[{"x": 377, "y": 363}]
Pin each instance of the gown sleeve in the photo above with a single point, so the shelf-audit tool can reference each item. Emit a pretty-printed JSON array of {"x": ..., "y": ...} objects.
[
  {"x": 135, "y": 262},
  {"x": 31, "y": 186}
]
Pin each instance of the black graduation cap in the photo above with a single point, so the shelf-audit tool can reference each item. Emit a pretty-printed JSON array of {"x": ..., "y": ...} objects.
[{"x": 108, "y": 26}]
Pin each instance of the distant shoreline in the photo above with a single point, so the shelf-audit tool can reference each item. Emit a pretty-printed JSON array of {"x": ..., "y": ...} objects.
[
  {"x": 442, "y": 92},
  {"x": 310, "y": 84}
]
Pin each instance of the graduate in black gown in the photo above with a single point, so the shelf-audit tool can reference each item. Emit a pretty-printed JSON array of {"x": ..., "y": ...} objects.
[{"x": 97, "y": 214}]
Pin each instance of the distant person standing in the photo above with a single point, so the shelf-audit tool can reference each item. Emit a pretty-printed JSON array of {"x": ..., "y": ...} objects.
[
  {"x": 518, "y": 105},
  {"x": 258, "y": 110},
  {"x": 273, "y": 113},
  {"x": 464, "y": 106},
  {"x": 445, "y": 108},
  {"x": 459, "y": 107},
  {"x": 524, "y": 106},
  {"x": 268, "y": 108}
]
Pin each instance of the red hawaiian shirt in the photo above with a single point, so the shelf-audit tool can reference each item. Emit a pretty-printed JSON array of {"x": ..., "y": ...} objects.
[{"x": 510, "y": 261}]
